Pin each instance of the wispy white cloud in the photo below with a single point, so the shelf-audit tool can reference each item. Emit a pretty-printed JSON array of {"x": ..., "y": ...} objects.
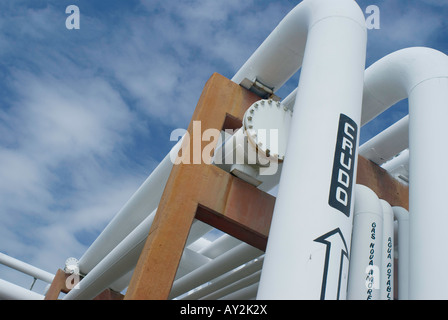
[{"x": 78, "y": 106}]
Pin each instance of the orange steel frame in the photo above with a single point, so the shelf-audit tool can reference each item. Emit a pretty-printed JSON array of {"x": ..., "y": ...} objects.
[{"x": 216, "y": 197}]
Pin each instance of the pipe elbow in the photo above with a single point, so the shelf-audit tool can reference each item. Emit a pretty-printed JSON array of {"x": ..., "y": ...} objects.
[
  {"x": 280, "y": 56},
  {"x": 323, "y": 9},
  {"x": 400, "y": 214},
  {"x": 392, "y": 78},
  {"x": 366, "y": 201}
]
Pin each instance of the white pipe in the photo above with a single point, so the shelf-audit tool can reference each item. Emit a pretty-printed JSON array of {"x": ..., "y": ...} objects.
[
  {"x": 190, "y": 261},
  {"x": 219, "y": 246},
  {"x": 421, "y": 74},
  {"x": 26, "y": 268},
  {"x": 387, "y": 262},
  {"x": 224, "y": 263},
  {"x": 402, "y": 216},
  {"x": 297, "y": 264},
  {"x": 136, "y": 209},
  {"x": 226, "y": 279},
  {"x": 197, "y": 230},
  {"x": 401, "y": 160},
  {"x": 246, "y": 293},
  {"x": 117, "y": 263},
  {"x": 10, "y": 291},
  {"x": 398, "y": 167},
  {"x": 387, "y": 143},
  {"x": 235, "y": 286},
  {"x": 123, "y": 282},
  {"x": 365, "y": 254}
]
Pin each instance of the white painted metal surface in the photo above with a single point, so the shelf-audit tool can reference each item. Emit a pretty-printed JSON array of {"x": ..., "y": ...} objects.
[
  {"x": 329, "y": 97},
  {"x": 402, "y": 216},
  {"x": 388, "y": 143},
  {"x": 398, "y": 167},
  {"x": 226, "y": 279},
  {"x": 387, "y": 254},
  {"x": 10, "y": 291},
  {"x": 366, "y": 248},
  {"x": 26, "y": 268},
  {"x": 233, "y": 258}
]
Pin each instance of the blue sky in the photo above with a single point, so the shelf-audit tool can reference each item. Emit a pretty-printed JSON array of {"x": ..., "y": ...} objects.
[{"x": 86, "y": 115}]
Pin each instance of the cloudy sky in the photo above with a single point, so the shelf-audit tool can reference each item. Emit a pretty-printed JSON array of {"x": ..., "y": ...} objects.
[{"x": 86, "y": 114}]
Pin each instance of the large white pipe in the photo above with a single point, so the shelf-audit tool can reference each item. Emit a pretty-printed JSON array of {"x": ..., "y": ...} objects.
[
  {"x": 312, "y": 221},
  {"x": 421, "y": 75},
  {"x": 366, "y": 247},
  {"x": 387, "y": 261},
  {"x": 26, "y": 268},
  {"x": 388, "y": 143},
  {"x": 136, "y": 209},
  {"x": 10, "y": 291},
  {"x": 402, "y": 217}
]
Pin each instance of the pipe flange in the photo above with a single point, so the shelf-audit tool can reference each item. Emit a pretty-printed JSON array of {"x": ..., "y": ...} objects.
[
  {"x": 72, "y": 266},
  {"x": 266, "y": 124}
]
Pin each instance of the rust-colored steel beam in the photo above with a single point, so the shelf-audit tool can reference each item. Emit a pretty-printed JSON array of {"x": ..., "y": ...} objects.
[
  {"x": 221, "y": 103},
  {"x": 57, "y": 286},
  {"x": 382, "y": 183}
]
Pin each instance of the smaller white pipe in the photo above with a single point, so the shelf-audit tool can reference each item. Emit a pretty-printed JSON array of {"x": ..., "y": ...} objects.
[
  {"x": 190, "y": 261},
  {"x": 135, "y": 210},
  {"x": 246, "y": 293},
  {"x": 398, "y": 167},
  {"x": 186, "y": 263},
  {"x": 226, "y": 279},
  {"x": 387, "y": 143},
  {"x": 222, "y": 264},
  {"x": 26, "y": 268},
  {"x": 387, "y": 262},
  {"x": 122, "y": 283},
  {"x": 219, "y": 246},
  {"x": 235, "y": 286},
  {"x": 365, "y": 254},
  {"x": 197, "y": 230},
  {"x": 402, "y": 216},
  {"x": 117, "y": 263},
  {"x": 10, "y": 291}
]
